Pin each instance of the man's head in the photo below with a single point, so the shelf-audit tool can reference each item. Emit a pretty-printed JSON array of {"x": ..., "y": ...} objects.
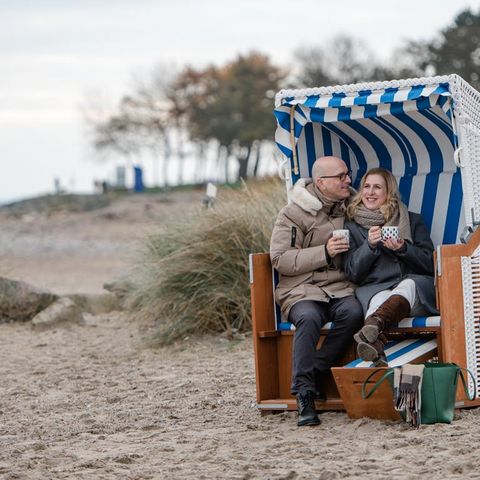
[{"x": 332, "y": 177}]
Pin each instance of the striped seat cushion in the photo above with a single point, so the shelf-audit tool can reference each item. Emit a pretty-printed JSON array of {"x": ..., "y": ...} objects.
[
  {"x": 401, "y": 352},
  {"x": 409, "y": 322}
]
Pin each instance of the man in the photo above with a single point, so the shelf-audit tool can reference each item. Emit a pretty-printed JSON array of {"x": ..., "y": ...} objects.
[{"x": 313, "y": 289}]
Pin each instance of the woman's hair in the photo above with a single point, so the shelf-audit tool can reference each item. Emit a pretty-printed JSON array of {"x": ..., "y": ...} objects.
[{"x": 390, "y": 206}]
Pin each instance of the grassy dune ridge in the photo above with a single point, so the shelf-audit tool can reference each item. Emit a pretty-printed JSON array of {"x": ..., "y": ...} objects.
[{"x": 192, "y": 275}]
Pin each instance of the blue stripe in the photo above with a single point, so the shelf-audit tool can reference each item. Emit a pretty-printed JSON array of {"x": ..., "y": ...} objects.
[
  {"x": 283, "y": 119},
  {"x": 406, "y": 349},
  {"x": 442, "y": 88},
  {"x": 345, "y": 154},
  {"x": 436, "y": 165},
  {"x": 387, "y": 97},
  {"x": 286, "y": 151},
  {"x": 300, "y": 111},
  {"x": 317, "y": 115},
  {"x": 362, "y": 162},
  {"x": 344, "y": 114},
  {"x": 409, "y": 157},
  {"x": 454, "y": 209},
  {"x": 382, "y": 152},
  {"x": 327, "y": 142},
  {"x": 419, "y": 322},
  {"x": 447, "y": 122},
  {"x": 362, "y": 97},
  {"x": 336, "y": 99},
  {"x": 297, "y": 128},
  {"x": 311, "y": 101},
  {"x": 415, "y": 92},
  {"x": 310, "y": 141},
  {"x": 442, "y": 125}
]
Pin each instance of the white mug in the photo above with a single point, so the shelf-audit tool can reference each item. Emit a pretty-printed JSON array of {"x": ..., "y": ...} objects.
[
  {"x": 342, "y": 233},
  {"x": 390, "y": 232}
]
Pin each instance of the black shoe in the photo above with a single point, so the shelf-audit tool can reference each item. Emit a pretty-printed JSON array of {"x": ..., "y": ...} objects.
[{"x": 306, "y": 409}]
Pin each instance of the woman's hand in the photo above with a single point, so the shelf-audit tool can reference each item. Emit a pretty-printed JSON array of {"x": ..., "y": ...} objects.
[
  {"x": 336, "y": 245},
  {"x": 374, "y": 236},
  {"x": 393, "y": 244}
]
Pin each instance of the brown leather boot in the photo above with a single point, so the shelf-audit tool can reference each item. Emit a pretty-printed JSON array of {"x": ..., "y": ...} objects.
[{"x": 390, "y": 312}]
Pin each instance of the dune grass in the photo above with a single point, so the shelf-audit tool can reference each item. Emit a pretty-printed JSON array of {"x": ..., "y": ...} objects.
[{"x": 193, "y": 274}]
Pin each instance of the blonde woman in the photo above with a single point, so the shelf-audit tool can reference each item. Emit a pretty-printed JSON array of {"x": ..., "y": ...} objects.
[{"x": 395, "y": 275}]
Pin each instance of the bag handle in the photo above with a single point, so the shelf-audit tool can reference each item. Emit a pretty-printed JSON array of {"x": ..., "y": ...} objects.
[
  {"x": 366, "y": 395},
  {"x": 460, "y": 373}
]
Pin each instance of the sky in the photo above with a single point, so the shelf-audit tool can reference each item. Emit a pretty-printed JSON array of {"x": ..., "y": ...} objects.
[{"x": 56, "y": 54}]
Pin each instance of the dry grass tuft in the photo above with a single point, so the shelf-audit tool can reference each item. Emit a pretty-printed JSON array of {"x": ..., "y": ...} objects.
[{"x": 193, "y": 276}]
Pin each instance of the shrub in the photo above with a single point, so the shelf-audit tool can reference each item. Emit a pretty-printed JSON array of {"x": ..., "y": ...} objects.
[{"x": 193, "y": 275}]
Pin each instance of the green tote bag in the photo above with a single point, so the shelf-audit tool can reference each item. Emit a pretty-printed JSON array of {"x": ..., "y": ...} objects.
[{"x": 439, "y": 389}]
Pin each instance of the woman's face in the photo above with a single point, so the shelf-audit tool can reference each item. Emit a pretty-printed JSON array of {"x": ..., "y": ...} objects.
[{"x": 374, "y": 193}]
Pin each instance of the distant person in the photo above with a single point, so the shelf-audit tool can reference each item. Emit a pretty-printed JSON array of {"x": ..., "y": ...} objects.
[
  {"x": 313, "y": 289},
  {"x": 104, "y": 187},
  {"x": 56, "y": 185},
  {"x": 395, "y": 274}
]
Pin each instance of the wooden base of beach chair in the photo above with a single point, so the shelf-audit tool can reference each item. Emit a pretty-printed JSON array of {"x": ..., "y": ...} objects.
[{"x": 350, "y": 379}]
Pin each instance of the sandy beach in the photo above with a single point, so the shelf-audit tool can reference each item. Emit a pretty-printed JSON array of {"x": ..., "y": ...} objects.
[{"x": 96, "y": 401}]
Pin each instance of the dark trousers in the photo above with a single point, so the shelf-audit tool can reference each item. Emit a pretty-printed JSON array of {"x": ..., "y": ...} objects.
[{"x": 309, "y": 316}]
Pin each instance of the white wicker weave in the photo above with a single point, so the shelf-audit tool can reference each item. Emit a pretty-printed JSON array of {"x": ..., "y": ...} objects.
[{"x": 471, "y": 302}]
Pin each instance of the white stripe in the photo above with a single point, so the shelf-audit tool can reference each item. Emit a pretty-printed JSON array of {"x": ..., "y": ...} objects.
[
  {"x": 384, "y": 135},
  {"x": 323, "y": 101},
  {"x": 282, "y": 137},
  {"x": 363, "y": 144},
  {"x": 414, "y": 354},
  {"x": 318, "y": 140},
  {"x": 331, "y": 115},
  {"x": 429, "y": 322},
  {"x": 375, "y": 97},
  {"x": 402, "y": 94},
  {"x": 441, "y": 208}
]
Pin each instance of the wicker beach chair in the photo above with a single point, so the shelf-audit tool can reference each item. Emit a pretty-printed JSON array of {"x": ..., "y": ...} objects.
[{"x": 427, "y": 132}]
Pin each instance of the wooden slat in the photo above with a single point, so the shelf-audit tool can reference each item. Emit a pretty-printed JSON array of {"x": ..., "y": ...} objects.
[
  {"x": 379, "y": 405},
  {"x": 290, "y": 403},
  {"x": 265, "y": 348}
]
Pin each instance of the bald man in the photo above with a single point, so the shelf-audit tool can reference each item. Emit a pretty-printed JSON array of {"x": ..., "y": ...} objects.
[{"x": 313, "y": 289}]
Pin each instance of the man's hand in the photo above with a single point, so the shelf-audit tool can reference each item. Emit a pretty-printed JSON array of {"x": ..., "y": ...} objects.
[
  {"x": 336, "y": 245},
  {"x": 374, "y": 236}
]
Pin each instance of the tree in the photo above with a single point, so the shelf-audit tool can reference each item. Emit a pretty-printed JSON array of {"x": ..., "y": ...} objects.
[
  {"x": 231, "y": 105},
  {"x": 342, "y": 60},
  {"x": 457, "y": 49}
]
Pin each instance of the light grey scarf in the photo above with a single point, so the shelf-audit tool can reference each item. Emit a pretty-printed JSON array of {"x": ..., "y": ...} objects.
[
  {"x": 373, "y": 218},
  {"x": 407, "y": 392}
]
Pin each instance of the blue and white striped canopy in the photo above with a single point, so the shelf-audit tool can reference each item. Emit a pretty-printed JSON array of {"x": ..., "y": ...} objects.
[{"x": 406, "y": 129}]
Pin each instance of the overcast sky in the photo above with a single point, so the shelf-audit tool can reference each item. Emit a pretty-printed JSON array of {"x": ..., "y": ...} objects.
[{"x": 54, "y": 53}]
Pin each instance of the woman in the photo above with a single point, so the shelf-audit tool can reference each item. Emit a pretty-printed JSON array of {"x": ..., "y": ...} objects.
[{"x": 394, "y": 276}]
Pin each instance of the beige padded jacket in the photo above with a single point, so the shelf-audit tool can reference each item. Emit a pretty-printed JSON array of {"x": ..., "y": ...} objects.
[{"x": 298, "y": 250}]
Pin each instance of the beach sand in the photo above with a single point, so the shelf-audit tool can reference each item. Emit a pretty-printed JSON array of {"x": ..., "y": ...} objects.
[{"x": 96, "y": 401}]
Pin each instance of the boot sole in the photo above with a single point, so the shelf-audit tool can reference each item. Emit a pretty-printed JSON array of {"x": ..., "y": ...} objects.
[
  {"x": 309, "y": 423},
  {"x": 367, "y": 352},
  {"x": 370, "y": 332}
]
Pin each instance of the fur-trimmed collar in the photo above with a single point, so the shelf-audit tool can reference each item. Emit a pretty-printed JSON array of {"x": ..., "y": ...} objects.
[{"x": 303, "y": 198}]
